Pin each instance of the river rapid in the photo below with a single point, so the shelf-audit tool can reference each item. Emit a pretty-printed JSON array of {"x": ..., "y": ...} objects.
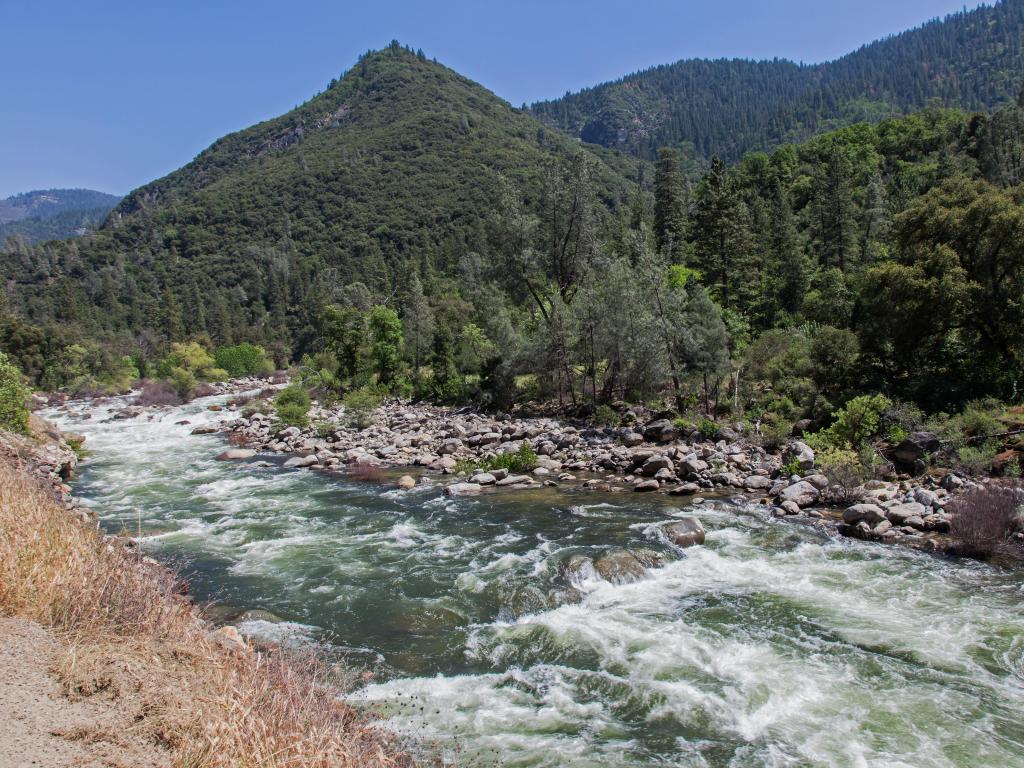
[{"x": 771, "y": 645}]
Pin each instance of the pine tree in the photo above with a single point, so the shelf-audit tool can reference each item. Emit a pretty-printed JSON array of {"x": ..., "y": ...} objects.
[{"x": 669, "y": 206}]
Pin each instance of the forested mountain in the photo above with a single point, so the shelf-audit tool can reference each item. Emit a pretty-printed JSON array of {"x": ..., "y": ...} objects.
[
  {"x": 394, "y": 168},
  {"x": 50, "y": 214},
  {"x": 969, "y": 60}
]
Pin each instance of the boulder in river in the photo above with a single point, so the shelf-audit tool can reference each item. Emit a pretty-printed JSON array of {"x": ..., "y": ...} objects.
[
  {"x": 685, "y": 532},
  {"x": 619, "y": 566},
  {"x": 406, "y": 482},
  {"x": 462, "y": 489},
  {"x": 298, "y": 462},
  {"x": 235, "y": 454},
  {"x": 869, "y": 513}
]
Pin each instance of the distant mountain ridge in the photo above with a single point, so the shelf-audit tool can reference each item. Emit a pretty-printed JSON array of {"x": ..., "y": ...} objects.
[
  {"x": 53, "y": 214},
  {"x": 972, "y": 60}
]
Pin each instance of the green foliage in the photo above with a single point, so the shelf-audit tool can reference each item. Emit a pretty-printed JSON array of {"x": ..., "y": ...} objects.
[
  {"x": 845, "y": 470},
  {"x": 292, "y": 404},
  {"x": 977, "y": 459},
  {"x": 13, "y": 398},
  {"x": 605, "y": 416},
  {"x": 385, "y": 343},
  {"x": 520, "y": 461},
  {"x": 183, "y": 381},
  {"x": 243, "y": 360},
  {"x": 854, "y": 424},
  {"x": 360, "y": 405},
  {"x": 707, "y": 428}
]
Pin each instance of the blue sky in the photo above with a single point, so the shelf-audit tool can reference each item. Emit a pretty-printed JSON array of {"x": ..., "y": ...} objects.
[{"x": 110, "y": 94}]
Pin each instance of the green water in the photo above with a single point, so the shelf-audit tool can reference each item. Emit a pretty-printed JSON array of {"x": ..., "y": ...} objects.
[{"x": 772, "y": 645}]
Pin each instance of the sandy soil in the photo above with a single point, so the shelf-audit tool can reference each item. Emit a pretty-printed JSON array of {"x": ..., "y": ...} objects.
[{"x": 40, "y": 726}]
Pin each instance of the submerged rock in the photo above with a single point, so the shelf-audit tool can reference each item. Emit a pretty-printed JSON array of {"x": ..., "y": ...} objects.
[
  {"x": 619, "y": 566},
  {"x": 686, "y": 532},
  {"x": 235, "y": 454}
]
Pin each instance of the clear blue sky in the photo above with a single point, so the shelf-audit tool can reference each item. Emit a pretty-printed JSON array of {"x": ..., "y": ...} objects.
[{"x": 109, "y": 94}]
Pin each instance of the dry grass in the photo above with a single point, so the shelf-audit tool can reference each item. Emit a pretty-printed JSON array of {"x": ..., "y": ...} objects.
[{"x": 209, "y": 701}]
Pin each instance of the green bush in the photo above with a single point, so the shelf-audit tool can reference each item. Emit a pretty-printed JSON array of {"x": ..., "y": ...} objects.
[
  {"x": 707, "y": 428},
  {"x": 845, "y": 471},
  {"x": 855, "y": 424},
  {"x": 977, "y": 459},
  {"x": 605, "y": 416},
  {"x": 183, "y": 381},
  {"x": 13, "y": 398},
  {"x": 517, "y": 462},
  {"x": 292, "y": 405},
  {"x": 360, "y": 405},
  {"x": 243, "y": 360}
]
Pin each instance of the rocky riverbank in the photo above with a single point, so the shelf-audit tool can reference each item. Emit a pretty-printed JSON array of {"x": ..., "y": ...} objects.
[{"x": 652, "y": 457}]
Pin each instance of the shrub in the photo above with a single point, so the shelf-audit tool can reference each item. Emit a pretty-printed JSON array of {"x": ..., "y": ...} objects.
[
  {"x": 707, "y": 428},
  {"x": 522, "y": 460},
  {"x": 985, "y": 521},
  {"x": 605, "y": 416},
  {"x": 157, "y": 392},
  {"x": 845, "y": 471},
  {"x": 977, "y": 459},
  {"x": 13, "y": 398},
  {"x": 243, "y": 360},
  {"x": 292, "y": 405},
  {"x": 855, "y": 423},
  {"x": 360, "y": 404},
  {"x": 184, "y": 382}
]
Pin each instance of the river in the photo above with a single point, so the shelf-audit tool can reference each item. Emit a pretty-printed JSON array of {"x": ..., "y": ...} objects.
[{"x": 771, "y": 645}]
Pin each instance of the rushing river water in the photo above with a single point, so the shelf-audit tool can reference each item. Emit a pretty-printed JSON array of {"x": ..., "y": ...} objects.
[{"x": 772, "y": 645}]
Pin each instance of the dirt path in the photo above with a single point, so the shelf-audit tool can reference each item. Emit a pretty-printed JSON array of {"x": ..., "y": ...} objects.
[{"x": 41, "y": 728}]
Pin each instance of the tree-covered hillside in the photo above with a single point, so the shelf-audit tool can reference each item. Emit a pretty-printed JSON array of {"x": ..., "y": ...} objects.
[
  {"x": 969, "y": 60},
  {"x": 394, "y": 168},
  {"x": 51, "y": 214}
]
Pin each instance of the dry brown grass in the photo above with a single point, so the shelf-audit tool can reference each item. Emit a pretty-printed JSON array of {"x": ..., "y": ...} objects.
[
  {"x": 209, "y": 701},
  {"x": 987, "y": 521}
]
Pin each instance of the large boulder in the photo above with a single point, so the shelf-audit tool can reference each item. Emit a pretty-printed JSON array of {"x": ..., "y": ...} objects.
[
  {"x": 801, "y": 493},
  {"x": 902, "y": 514},
  {"x": 655, "y": 463},
  {"x": 660, "y": 431},
  {"x": 869, "y": 513},
  {"x": 757, "y": 483},
  {"x": 685, "y": 532},
  {"x": 915, "y": 446},
  {"x": 297, "y": 462},
  {"x": 462, "y": 489},
  {"x": 801, "y": 453}
]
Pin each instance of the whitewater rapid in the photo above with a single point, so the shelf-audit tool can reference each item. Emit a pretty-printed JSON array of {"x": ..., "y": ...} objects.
[{"x": 771, "y": 645}]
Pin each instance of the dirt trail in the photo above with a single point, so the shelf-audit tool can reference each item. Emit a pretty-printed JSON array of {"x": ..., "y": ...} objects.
[{"x": 41, "y": 727}]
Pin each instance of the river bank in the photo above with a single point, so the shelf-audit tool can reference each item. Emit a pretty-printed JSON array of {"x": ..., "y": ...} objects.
[
  {"x": 649, "y": 457},
  {"x": 106, "y": 661}
]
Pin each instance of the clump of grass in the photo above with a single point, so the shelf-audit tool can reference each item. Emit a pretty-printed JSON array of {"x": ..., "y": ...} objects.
[{"x": 208, "y": 701}]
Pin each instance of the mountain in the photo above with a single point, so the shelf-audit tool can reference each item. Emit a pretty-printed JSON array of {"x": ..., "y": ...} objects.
[
  {"x": 971, "y": 60},
  {"x": 399, "y": 162},
  {"x": 50, "y": 214}
]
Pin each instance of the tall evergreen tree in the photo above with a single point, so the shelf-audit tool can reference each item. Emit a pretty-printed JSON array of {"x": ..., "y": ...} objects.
[{"x": 670, "y": 205}]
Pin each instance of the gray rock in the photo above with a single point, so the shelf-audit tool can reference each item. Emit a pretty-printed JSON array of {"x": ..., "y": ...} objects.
[
  {"x": 462, "y": 489},
  {"x": 790, "y": 508},
  {"x": 801, "y": 453},
  {"x": 646, "y": 486},
  {"x": 757, "y": 483},
  {"x": 900, "y": 513},
  {"x": 515, "y": 480},
  {"x": 870, "y": 513},
  {"x": 915, "y": 447},
  {"x": 926, "y": 498},
  {"x": 297, "y": 462},
  {"x": 685, "y": 489},
  {"x": 660, "y": 431},
  {"x": 685, "y": 532},
  {"x": 654, "y": 463},
  {"x": 406, "y": 482},
  {"x": 801, "y": 493},
  {"x": 485, "y": 478}
]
